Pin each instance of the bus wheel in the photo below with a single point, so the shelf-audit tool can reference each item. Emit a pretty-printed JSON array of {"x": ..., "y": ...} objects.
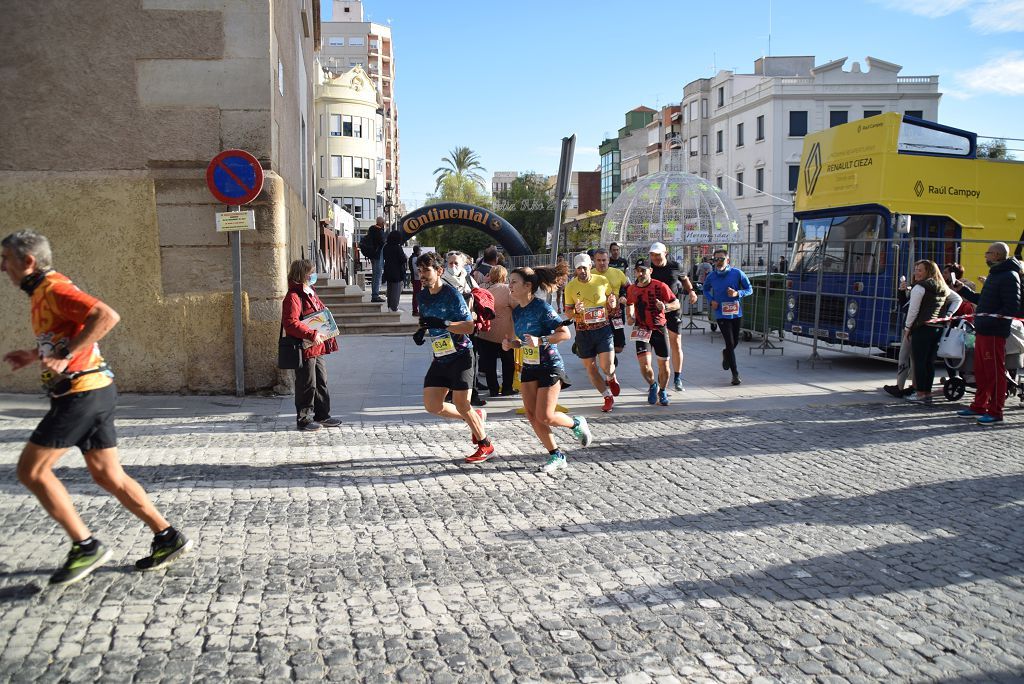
[{"x": 954, "y": 388}]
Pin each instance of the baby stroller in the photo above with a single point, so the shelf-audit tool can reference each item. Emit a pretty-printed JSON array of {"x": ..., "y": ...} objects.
[{"x": 956, "y": 349}]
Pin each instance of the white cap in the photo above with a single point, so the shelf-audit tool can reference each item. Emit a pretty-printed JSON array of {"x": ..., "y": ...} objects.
[
  {"x": 659, "y": 248},
  {"x": 582, "y": 260}
]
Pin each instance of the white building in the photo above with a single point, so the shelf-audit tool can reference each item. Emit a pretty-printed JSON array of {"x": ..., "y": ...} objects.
[
  {"x": 745, "y": 132},
  {"x": 349, "y": 41},
  {"x": 350, "y": 144},
  {"x": 502, "y": 181}
]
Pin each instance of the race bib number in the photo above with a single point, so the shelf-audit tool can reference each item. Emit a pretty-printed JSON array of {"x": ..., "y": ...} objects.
[
  {"x": 595, "y": 315},
  {"x": 442, "y": 345},
  {"x": 531, "y": 356},
  {"x": 618, "y": 323},
  {"x": 730, "y": 308},
  {"x": 640, "y": 335}
]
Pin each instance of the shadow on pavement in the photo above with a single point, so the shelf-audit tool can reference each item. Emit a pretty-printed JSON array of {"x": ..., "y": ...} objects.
[{"x": 983, "y": 537}]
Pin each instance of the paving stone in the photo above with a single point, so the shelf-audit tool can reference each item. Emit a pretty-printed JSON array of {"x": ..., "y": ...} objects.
[{"x": 789, "y": 544}]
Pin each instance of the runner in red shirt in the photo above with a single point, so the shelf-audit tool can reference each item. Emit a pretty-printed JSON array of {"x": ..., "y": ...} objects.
[
  {"x": 647, "y": 302},
  {"x": 68, "y": 323}
]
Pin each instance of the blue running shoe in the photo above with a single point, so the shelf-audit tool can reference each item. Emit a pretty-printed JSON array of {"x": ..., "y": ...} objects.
[
  {"x": 663, "y": 398},
  {"x": 678, "y": 384},
  {"x": 968, "y": 413},
  {"x": 989, "y": 420},
  {"x": 652, "y": 394}
]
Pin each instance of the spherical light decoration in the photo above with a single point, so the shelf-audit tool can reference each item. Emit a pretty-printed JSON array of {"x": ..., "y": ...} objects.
[{"x": 673, "y": 207}]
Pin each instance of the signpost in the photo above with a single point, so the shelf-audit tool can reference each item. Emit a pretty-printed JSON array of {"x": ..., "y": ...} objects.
[{"x": 236, "y": 177}]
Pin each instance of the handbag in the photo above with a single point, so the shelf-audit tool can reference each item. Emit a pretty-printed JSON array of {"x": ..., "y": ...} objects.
[
  {"x": 953, "y": 345},
  {"x": 289, "y": 352}
]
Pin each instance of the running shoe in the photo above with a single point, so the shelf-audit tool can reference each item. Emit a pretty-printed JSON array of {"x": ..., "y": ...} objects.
[
  {"x": 331, "y": 422},
  {"x": 663, "y": 398},
  {"x": 652, "y": 394},
  {"x": 677, "y": 384},
  {"x": 609, "y": 402},
  {"x": 555, "y": 463},
  {"x": 310, "y": 426},
  {"x": 736, "y": 380},
  {"x": 79, "y": 564},
  {"x": 482, "y": 453},
  {"x": 581, "y": 431},
  {"x": 969, "y": 413},
  {"x": 164, "y": 553},
  {"x": 613, "y": 385},
  {"x": 989, "y": 420},
  {"x": 914, "y": 399}
]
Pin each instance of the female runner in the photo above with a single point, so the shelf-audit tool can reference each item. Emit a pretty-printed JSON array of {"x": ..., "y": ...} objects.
[{"x": 538, "y": 329}]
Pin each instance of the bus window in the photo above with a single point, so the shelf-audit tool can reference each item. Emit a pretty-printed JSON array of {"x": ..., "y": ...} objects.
[{"x": 843, "y": 244}]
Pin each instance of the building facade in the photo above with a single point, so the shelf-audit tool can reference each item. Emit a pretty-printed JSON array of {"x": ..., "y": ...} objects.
[
  {"x": 350, "y": 144},
  {"x": 744, "y": 132},
  {"x": 624, "y": 157},
  {"x": 501, "y": 181},
  {"x": 109, "y": 162},
  {"x": 348, "y": 42}
]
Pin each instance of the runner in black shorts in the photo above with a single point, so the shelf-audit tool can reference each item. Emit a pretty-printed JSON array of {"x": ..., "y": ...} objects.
[
  {"x": 647, "y": 303},
  {"x": 68, "y": 323},
  {"x": 446, "y": 323},
  {"x": 538, "y": 330},
  {"x": 669, "y": 272}
]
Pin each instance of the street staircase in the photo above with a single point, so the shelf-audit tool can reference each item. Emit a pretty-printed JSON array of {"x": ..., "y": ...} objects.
[{"x": 357, "y": 315}]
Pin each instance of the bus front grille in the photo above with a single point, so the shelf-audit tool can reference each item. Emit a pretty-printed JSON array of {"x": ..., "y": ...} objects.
[{"x": 832, "y": 310}]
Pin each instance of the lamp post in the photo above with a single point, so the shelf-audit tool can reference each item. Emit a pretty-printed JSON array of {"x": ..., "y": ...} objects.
[
  {"x": 389, "y": 203},
  {"x": 749, "y": 216}
]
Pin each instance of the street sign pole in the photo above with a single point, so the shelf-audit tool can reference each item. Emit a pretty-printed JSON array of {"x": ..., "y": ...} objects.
[
  {"x": 236, "y": 177},
  {"x": 236, "y": 279},
  {"x": 562, "y": 183}
]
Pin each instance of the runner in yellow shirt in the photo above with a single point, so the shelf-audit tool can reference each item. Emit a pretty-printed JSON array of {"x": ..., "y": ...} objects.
[
  {"x": 588, "y": 295},
  {"x": 618, "y": 281}
]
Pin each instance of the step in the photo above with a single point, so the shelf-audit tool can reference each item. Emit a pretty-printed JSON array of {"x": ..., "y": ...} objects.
[
  {"x": 357, "y": 316},
  {"x": 352, "y": 307},
  {"x": 388, "y": 328}
]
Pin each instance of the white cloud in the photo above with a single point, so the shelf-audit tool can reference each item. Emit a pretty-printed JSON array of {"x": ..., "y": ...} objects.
[
  {"x": 998, "y": 17},
  {"x": 986, "y": 16},
  {"x": 1003, "y": 75}
]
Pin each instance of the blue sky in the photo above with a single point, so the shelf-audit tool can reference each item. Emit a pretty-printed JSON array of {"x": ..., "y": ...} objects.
[{"x": 510, "y": 79}]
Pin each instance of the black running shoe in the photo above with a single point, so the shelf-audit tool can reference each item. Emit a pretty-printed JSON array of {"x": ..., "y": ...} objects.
[
  {"x": 80, "y": 564},
  {"x": 164, "y": 553}
]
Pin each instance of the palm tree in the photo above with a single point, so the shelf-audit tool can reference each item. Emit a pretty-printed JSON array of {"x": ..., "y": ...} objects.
[{"x": 461, "y": 162}]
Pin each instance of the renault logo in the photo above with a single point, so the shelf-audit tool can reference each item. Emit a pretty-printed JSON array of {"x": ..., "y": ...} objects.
[
  {"x": 918, "y": 188},
  {"x": 812, "y": 170}
]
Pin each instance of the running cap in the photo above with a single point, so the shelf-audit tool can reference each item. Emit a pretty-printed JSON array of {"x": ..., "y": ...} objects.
[
  {"x": 659, "y": 248},
  {"x": 582, "y": 260},
  {"x": 642, "y": 263}
]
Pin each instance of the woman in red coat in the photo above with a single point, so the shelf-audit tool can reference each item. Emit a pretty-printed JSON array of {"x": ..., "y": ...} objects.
[{"x": 312, "y": 402}]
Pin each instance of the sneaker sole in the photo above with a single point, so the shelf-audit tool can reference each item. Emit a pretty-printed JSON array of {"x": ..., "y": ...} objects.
[
  {"x": 474, "y": 461},
  {"x": 973, "y": 416},
  {"x": 85, "y": 573},
  {"x": 552, "y": 471},
  {"x": 170, "y": 559}
]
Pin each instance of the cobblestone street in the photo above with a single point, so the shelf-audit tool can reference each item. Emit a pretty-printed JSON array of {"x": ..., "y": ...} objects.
[{"x": 784, "y": 541}]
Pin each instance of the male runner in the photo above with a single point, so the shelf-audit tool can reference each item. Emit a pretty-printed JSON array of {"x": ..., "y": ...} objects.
[
  {"x": 593, "y": 302},
  {"x": 723, "y": 288},
  {"x": 68, "y": 323},
  {"x": 669, "y": 272},
  {"x": 618, "y": 282},
  {"x": 647, "y": 301},
  {"x": 616, "y": 259}
]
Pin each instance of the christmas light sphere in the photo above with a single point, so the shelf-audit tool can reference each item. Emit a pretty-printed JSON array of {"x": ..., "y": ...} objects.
[{"x": 673, "y": 207}]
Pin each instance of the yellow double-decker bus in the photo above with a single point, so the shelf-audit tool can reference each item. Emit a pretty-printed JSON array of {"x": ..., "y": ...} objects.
[{"x": 873, "y": 196}]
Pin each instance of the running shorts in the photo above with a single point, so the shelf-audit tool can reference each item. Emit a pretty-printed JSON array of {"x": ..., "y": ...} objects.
[
  {"x": 590, "y": 343},
  {"x": 544, "y": 376},
  {"x": 83, "y": 419},
  {"x": 456, "y": 374},
  {"x": 658, "y": 344}
]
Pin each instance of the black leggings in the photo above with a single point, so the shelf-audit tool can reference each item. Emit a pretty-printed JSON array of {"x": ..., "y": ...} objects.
[
  {"x": 730, "y": 328},
  {"x": 924, "y": 345},
  {"x": 490, "y": 352}
]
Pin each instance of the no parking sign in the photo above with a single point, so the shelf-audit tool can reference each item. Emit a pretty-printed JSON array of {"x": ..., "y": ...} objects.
[{"x": 235, "y": 177}]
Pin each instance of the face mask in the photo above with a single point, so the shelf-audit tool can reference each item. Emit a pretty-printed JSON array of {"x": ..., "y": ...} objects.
[
  {"x": 30, "y": 282},
  {"x": 312, "y": 279},
  {"x": 457, "y": 271}
]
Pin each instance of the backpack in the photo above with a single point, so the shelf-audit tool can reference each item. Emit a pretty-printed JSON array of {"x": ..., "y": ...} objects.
[{"x": 483, "y": 306}]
